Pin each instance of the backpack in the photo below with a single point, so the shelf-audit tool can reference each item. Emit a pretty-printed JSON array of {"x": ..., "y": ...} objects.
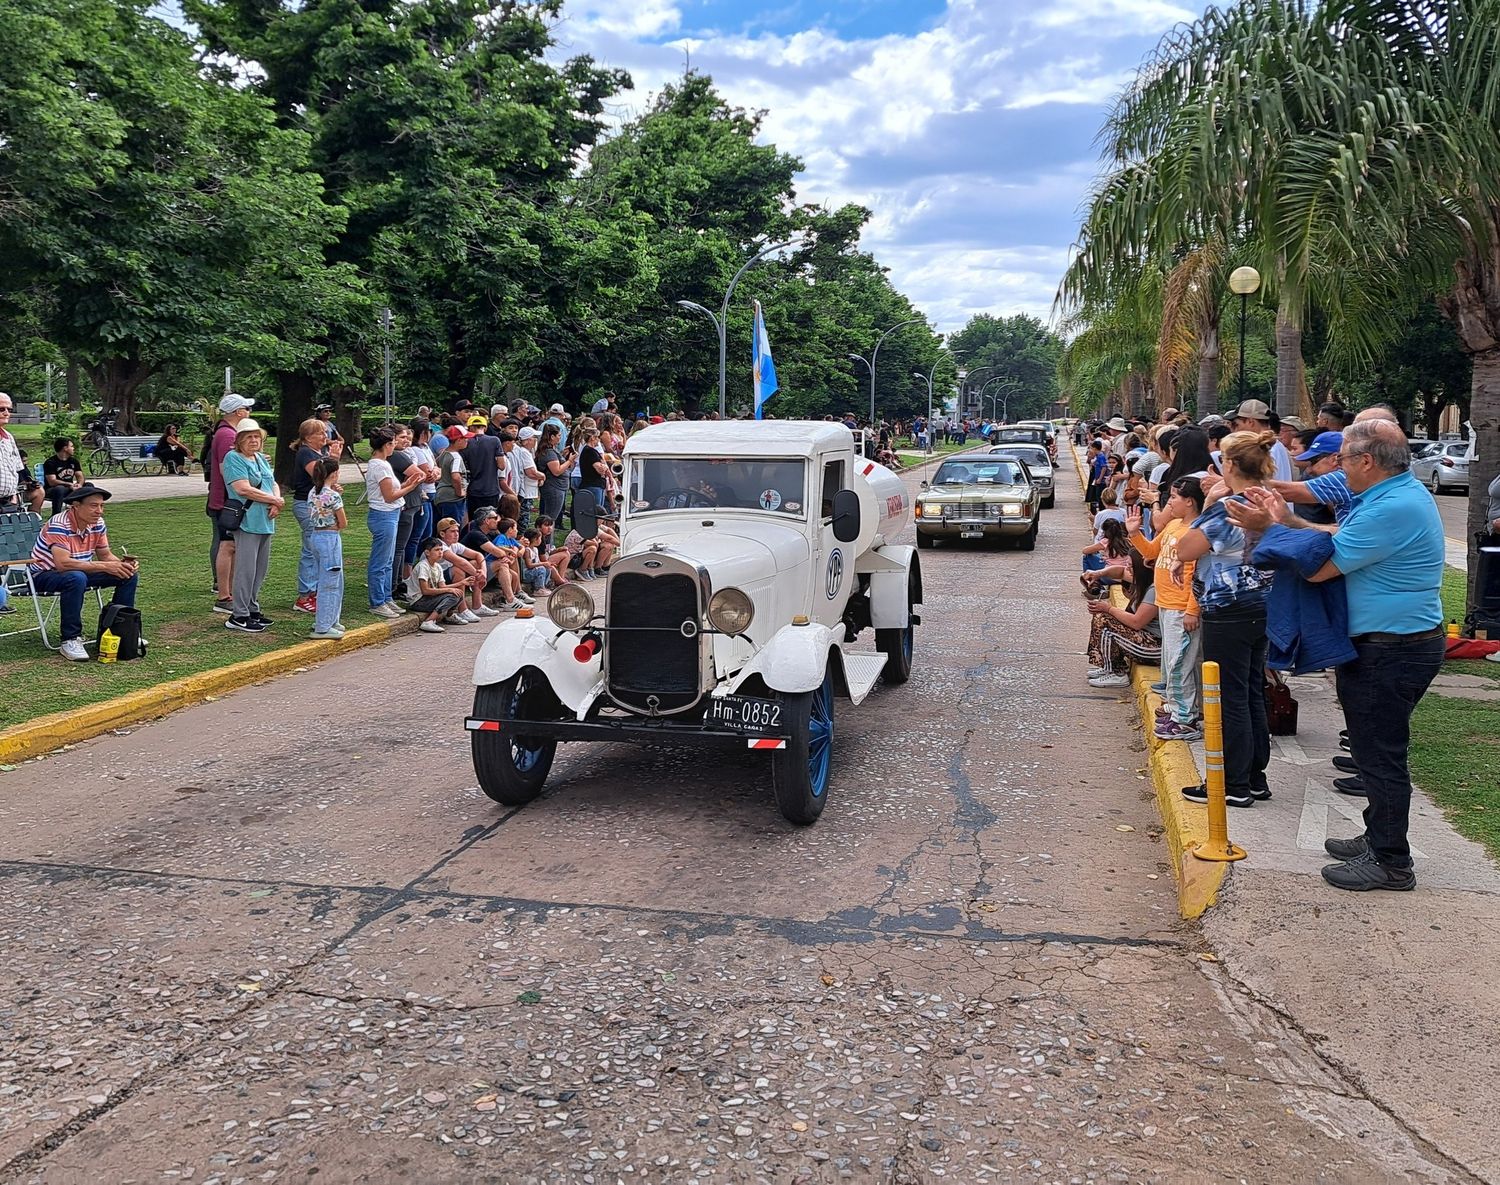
[
  {"x": 125, "y": 622},
  {"x": 206, "y": 453}
]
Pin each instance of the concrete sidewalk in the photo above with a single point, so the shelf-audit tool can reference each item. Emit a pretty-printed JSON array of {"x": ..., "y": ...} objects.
[
  {"x": 142, "y": 489},
  {"x": 1398, "y": 991}
]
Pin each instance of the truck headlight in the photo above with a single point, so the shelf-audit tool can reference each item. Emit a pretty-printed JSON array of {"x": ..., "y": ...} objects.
[
  {"x": 730, "y": 611},
  {"x": 570, "y": 607}
]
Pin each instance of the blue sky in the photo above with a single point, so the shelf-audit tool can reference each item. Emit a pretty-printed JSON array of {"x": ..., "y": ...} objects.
[{"x": 967, "y": 126}]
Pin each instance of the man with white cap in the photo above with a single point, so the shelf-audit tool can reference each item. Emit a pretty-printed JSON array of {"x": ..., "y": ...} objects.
[
  {"x": 523, "y": 462},
  {"x": 232, "y": 409},
  {"x": 1255, "y": 416},
  {"x": 558, "y": 414}
]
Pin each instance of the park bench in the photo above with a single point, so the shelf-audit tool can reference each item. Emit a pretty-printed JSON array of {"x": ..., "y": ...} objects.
[{"x": 130, "y": 454}]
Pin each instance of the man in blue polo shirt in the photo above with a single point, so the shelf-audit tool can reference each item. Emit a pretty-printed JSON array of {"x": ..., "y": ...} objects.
[{"x": 1389, "y": 549}]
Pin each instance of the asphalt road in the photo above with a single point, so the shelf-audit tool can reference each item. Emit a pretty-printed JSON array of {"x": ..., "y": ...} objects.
[{"x": 284, "y": 936}]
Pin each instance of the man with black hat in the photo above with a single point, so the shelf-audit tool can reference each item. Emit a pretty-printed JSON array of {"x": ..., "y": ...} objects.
[{"x": 72, "y": 555}]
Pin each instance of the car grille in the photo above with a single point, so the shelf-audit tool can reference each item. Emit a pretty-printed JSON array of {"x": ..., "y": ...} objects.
[
  {"x": 648, "y": 656},
  {"x": 975, "y": 513}
]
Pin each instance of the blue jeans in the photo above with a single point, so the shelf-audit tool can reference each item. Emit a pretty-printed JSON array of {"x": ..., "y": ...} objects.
[
  {"x": 1379, "y": 691},
  {"x": 382, "y": 524},
  {"x": 457, "y": 511},
  {"x": 328, "y": 554},
  {"x": 421, "y": 531},
  {"x": 307, "y": 571},
  {"x": 70, "y": 587}
]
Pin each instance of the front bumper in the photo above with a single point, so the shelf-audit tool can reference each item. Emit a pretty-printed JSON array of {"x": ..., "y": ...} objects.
[
  {"x": 992, "y": 528},
  {"x": 665, "y": 730}
]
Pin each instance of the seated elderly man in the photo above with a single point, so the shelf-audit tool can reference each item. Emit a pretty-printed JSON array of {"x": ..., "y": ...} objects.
[{"x": 72, "y": 555}]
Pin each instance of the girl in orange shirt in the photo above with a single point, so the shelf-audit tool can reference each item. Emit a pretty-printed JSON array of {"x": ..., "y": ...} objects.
[{"x": 1181, "y": 716}]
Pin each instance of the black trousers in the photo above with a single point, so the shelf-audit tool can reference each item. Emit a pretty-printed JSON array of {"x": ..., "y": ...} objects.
[
  {"x": 1237, "y": 642},
  {"x": 1379, "y": 690}
]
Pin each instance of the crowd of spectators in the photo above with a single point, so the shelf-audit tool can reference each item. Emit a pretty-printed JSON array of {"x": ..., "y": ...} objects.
[{"x": 1263, "y": 545}]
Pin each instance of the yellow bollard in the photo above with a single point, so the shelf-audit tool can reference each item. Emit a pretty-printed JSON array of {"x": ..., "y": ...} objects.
[{"x": 1218, "y": 846}]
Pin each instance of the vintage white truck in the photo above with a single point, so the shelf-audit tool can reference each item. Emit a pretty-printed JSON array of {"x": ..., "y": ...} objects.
[{"x": 752, "y": 555}]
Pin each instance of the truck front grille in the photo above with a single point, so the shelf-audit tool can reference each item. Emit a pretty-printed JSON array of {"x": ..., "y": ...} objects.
[{"x": 648, "y": 656}]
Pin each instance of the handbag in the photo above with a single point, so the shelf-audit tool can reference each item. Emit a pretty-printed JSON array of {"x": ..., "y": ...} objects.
[
  {"x": 1281, "y": 708},
  {"x": 232, "y": 516}
]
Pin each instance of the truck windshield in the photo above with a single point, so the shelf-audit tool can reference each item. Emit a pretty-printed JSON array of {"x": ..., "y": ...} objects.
[{"x": 775, "y": 485}]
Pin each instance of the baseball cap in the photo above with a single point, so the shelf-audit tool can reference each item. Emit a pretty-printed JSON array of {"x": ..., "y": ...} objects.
[
  {"x": 640, "y": 415},
  {"x": 1252, "y": 409},
  {"x": 656, "y": 419},
  {"x": 557, "y": 409},
  {"x": 1325, "y": 444},
  {"x": 1293, "y": 422},
  {"x": 527, "y": 433},
  {"x": 456, "y": 433},
  {"x": 478, "y": 422},
  {"x": 232, "y": 403}
]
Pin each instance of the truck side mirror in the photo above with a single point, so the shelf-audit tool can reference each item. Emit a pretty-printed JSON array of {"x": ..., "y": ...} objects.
[{"x": 846, "y": 516}]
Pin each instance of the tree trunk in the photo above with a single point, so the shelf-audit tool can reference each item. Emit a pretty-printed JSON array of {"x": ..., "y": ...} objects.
[
  {"x": 1208, "y": 372},
  {"x": 75, "y": 394},
  {"x": 1288, "y": 365},
  {"x": 296, "y": 401},
  {"x": 116, "y": 381},
  {"x": 1432, "y": 412},
  {"x": 1137, "y": 397},
  {"x": 1484, "y": 414}
]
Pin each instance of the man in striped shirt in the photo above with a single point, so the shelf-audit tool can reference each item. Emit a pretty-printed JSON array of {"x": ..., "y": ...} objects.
[{"x": 72, "y": 555}]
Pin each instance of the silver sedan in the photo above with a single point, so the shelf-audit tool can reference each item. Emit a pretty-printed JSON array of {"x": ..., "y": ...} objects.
[{"x": 1444, "y": 468}]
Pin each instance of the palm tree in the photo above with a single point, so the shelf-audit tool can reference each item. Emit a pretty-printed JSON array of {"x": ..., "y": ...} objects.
[{"x": 1110, "y": 344}]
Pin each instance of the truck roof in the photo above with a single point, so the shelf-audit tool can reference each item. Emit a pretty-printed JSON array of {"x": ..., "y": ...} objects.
[{"x": 781, "y": 438}]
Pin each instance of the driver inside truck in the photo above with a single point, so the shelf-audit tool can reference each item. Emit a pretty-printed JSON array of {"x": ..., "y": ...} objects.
[{"x": 706, "y": 477}]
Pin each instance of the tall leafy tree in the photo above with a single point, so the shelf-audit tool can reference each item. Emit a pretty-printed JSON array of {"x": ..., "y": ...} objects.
[{"x": 1019, "y": 357}]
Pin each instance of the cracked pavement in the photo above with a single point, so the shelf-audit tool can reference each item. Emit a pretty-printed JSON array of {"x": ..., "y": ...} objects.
[{"x": 283, "y": 936}]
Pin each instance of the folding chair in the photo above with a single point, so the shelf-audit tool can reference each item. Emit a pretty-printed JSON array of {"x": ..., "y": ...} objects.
[{"x": 18, "y": 535}]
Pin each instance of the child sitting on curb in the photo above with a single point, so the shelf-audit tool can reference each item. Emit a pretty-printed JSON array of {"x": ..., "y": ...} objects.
[{"x": 439, "y": 598}]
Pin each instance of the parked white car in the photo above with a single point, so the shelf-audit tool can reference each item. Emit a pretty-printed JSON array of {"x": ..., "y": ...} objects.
[
  {"x": 752, "y": 556},
  {"x": 1444, "y": 468}
]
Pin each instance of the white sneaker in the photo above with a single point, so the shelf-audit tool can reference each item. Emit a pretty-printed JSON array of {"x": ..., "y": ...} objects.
[
  {"x": 486, "y": 611},
  {"x": 512, "y": 606},
  {"x": 395, "y": 608},
  {"x": 525, "y": 598},
  {"x": 384, "y": 611},
  {"x": 431, "y": 627},
  {"x": 469, "y": 617},
  {"x": 73, "y": 649},
  {"x": 1110, "y": 681}
]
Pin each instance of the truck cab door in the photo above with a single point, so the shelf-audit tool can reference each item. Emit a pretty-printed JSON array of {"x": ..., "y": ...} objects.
[{"x": 833, "y": 562}]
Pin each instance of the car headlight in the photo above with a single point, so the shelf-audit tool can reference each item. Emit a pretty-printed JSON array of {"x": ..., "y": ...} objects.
[
  {"x": 730, "y": 611},
  {"x": 1011, "y": 510},
  {"x": 571, "y": 607}
]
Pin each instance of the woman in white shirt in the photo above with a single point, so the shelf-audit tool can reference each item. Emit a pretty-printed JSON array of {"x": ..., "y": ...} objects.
[{"x": 385, "y": 497}]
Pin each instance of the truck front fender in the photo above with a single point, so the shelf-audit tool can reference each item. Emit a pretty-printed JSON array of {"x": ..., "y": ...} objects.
[
  {"x": 517, "y": 643},
  {"x": 795, "y": 659},
  {"x": 889, "y": 569}
]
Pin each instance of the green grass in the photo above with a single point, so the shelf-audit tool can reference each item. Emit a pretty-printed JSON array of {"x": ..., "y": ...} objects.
[
  {"x": 170, "y": 536},
  {"x": 1455, "y": 757}
]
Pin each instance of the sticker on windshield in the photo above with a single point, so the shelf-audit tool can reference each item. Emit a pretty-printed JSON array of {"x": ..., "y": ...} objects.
[{"x": 770, "y": 499}]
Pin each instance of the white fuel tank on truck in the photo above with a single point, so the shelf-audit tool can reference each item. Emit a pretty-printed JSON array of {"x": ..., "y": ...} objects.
[{"x": 884, "y": 504}]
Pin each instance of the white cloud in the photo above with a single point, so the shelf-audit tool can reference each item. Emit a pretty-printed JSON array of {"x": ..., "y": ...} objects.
[{"x": 970, "y": 140}]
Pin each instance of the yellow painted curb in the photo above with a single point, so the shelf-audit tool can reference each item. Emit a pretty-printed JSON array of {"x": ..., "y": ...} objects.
[
  {"x": 47, "y": 733},
  {"x": 1184, "y": 823}
]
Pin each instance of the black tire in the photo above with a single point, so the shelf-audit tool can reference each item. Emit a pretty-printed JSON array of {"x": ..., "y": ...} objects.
[
  {"x": 511, "y": 769},
  {"x": 1027, "y": 542},
  {"x": 800, "y": 773},
  {"x": 897, "y": 644},
  {"x": 1050, "y": 502},
  {"x": 924, "y": 542}
]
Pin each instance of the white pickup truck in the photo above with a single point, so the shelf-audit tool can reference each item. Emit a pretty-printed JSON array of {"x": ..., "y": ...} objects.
[{"x": 752, "y": 555}]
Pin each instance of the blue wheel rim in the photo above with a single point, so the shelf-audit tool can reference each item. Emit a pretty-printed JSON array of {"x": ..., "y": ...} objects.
[
  {"x": 906, "y": 641},
  {"x": 522, "y": 758},
  {"x": 820, "y": 737}
]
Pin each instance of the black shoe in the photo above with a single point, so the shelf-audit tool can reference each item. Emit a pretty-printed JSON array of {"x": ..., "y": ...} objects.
[
  {"x": 245, "y": 625},
  {"x": 1364, "y": 873},
  {"x": 262, "y": 619},
  {"x": 1346, "y": 764},
  {"x": 1346, "y": 849},
  {"x": 1260, "y": 794},
  {"x": 1199, "y": 793},
  {"x": 1344, "y": 744},
  {"x": 1353, "y": 787},
  {"x": 1343, "y": 734}
]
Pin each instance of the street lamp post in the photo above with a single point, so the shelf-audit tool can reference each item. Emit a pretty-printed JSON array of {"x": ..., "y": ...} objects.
[
  {"x": 1011, "y": 385},
  {"x": 721, "y": 319},
  {"x": 927, "y": 378},
  {"x": 390, "y": 402},
  {"x": 1244, "y": 282},
  {"x": 875, "y": 356},
  {"x": 965, "y": 377}
]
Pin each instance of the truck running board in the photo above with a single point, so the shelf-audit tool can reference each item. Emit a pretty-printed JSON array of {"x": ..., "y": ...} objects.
[{"x": 862, "y": 671}]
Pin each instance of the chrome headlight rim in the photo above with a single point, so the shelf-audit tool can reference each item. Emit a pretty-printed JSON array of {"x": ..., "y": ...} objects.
[
  {"x": 571, "y": 607},
  {"x": 730, "y": 611}
]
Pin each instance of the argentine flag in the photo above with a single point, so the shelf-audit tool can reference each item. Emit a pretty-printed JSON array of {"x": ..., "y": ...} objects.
[{"x": 764, "y": 368}]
